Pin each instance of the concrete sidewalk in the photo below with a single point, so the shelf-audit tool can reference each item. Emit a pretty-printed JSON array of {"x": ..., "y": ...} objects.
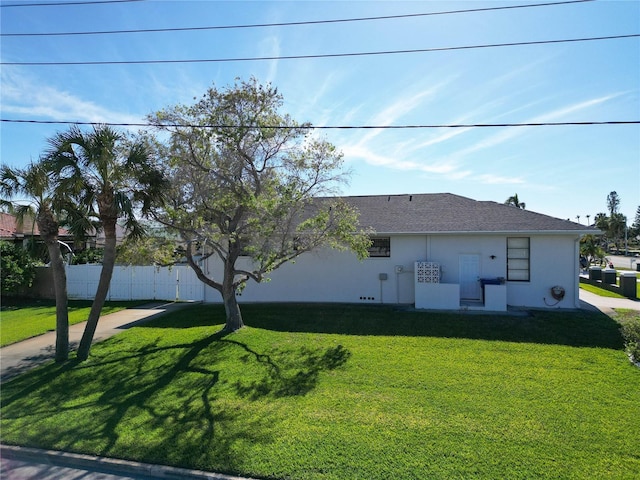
[
  {"x": 21, "y": 463},
  {"x": 606, "y": 305},
  {"x": 22, "y": 356}
]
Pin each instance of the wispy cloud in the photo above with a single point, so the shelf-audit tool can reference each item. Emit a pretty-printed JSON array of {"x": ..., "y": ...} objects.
[
  {"x": 270, "y": 47},
  {"x": 402, "y": 156},
  {"x": 400, "y": 107},
  {"x": 492, "y": 179},
  {"x": 446, "y": 169},
  {"x": 392, "y": 161},
  {"x": 556, "y": 115},
  {"x": 404, "y": 105},
  {"x": 560, "y": 113},
  {"x": 22, "y": 95}
]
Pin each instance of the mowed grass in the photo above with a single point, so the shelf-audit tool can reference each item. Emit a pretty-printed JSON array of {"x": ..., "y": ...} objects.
[
  {"x": 606, "y": 293},
  {"x": 338, "y": 391},
  {"x": 25, "y": 318}
]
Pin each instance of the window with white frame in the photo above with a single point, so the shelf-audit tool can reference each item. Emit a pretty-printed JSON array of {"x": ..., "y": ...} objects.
[{"x": 518, "y": 256}]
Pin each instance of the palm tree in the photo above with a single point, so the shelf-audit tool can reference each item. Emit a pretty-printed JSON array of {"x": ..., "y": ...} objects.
[
  {"x": 112, "y": 176},
  {"x": 590, "y": 248},
  {"x": 46, "y": 206},
  {"x": 515, "y": 201},
  {"x": 601, "y": 221}
]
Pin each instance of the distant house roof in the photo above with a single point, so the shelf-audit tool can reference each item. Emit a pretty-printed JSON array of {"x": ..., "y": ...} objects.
[
  {"x": 10, "y": 230},
  {"x": 7, "y": 225},
  {"x": 448, "y": 213}
]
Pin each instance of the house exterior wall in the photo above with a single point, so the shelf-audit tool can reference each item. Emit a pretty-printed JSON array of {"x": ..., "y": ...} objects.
[
  {"x": 554, "y": 261},
  {"x": 446, "y": 250},
  {"x": 334, "y": 276}
]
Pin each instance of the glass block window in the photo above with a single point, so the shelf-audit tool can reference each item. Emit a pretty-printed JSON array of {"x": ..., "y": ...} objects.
[
  {"x": 518, "y": 255},
  {"x": 381, "y": 247}
]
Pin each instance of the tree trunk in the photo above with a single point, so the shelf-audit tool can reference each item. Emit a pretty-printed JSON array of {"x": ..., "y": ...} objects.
[
  {"x": 62, "y": 312},
  {"x": 232, "y": 309},
  {"x": 226, "y": 288},
  {"x": 108, "y": 263},
  {"x": 48, "y": 227}
]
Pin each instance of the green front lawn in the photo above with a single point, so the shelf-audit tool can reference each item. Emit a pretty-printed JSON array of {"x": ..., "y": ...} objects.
[
  {"x": 346, "y": 392},
  {"x": 25, "y": 318},
  {"x": 599, "y": 291}
]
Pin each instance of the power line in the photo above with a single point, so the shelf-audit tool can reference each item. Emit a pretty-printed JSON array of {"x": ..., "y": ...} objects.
[
  {"x": 288, "y": 24},
  {"x": 327, "y": 55},
  {"x": 335, "y": 127},
  {"x": 64, "y": 4}
]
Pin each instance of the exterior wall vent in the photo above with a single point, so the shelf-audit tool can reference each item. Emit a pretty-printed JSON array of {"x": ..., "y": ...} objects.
[{"x": 427, "y": 272}]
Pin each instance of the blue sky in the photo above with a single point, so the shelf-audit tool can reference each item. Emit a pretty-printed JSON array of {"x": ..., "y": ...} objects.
[{"x": 563, "y": 171}]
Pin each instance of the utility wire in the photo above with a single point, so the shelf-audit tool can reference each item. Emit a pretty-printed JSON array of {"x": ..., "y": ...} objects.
[
  {"x": 288, "y": 24},
  {"x": 64, "y": 4},
  {"x": 327, "y": 55},
  {"x": 332, "y": 127}
]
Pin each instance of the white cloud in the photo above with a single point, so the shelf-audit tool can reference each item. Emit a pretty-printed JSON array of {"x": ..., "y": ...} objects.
[
  {"x": 270, "y": 47},
  {"x": 25, "y": 96},
  {"x": 397, "y": 109},
  {"x": 401, "y": 156},
  {"x": 492, "y": 179},
  {"x": 403, "y": 105},
  {"x": 557, "y": 115},
  {"x": 379, "y": 159},
  {"x": 560, "y": 113}
]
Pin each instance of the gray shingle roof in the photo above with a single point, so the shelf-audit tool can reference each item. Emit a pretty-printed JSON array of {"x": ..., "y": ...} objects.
[{"x": 445, "y": 212}]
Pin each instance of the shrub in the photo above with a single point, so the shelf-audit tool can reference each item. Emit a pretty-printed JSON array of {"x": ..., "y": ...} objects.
[
  {"x": 631, "y": 334},
  {"x": 90, "y": 255},
  {"x": 18, "y": 269}
]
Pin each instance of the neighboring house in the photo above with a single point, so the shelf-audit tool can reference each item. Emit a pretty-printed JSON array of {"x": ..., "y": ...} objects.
[
  {"x": 96, "y": 240},
  {"x": 11, "y": 231},
  {"x": 437, "y": 251}
]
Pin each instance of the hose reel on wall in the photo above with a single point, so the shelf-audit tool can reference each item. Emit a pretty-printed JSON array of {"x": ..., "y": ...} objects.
[{"x": 558, "y": 293}]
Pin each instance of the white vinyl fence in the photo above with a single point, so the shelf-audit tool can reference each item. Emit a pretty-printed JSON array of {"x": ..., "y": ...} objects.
[{"x": 136, "y": 283}]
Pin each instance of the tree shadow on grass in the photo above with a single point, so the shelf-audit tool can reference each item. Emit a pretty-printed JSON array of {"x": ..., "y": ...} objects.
[
  {"x": 576, "y": 328},
  {"x": 161, "y": 402},
  {"x": 288, "y": 372}
]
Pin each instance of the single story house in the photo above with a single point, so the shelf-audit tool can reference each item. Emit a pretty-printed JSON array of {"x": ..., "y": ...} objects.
[{"x": 437, "y": 251}]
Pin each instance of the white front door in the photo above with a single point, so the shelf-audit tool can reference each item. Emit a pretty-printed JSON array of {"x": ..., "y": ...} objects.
[{"x": 469, "y": 276}]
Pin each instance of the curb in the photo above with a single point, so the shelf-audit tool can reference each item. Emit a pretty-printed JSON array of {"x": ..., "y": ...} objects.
[{"x": 108, "y": 465}]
